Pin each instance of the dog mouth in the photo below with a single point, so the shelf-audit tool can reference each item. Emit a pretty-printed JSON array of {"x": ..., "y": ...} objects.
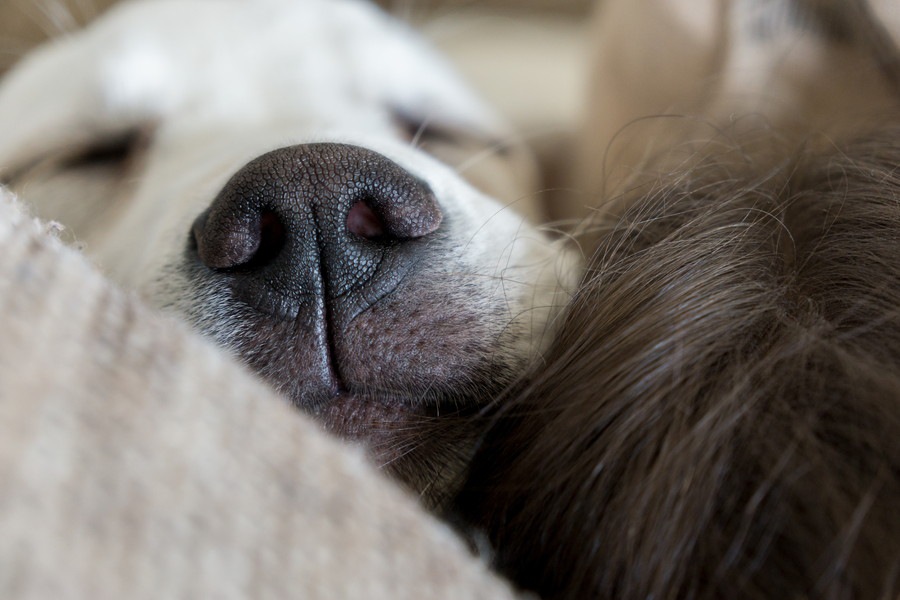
[
  {"x": 369, "y": 416},
  {"x": 415, "y": 351},
  {"x": 419, "y": 363},
  {"x": 406, "y": 378},
  {"x": 414, "y": 408}
]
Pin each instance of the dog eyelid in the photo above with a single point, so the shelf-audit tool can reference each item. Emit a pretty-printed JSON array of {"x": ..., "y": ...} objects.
[
  {"x": 116, "y": 152},
  {"x": 11, "y": 176},
  {"x": 421, "y": 132},
  {"x": 112, "y": 151},
  {"x": 416, "y": 130}
]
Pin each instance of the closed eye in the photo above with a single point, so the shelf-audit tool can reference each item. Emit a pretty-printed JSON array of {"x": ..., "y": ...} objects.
[
  {"x": 113, "y": 153},
  {"x": 110, "y": 157},
  {"x": 435, "y": 137},
  {"x": 420, "y": 132}
]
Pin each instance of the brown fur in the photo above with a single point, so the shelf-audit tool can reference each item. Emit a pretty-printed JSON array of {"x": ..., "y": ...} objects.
[{"x": 720, "y": 416}]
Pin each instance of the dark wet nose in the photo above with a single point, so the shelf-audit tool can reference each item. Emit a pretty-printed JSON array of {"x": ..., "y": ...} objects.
[{"x": 316, "y": 221}]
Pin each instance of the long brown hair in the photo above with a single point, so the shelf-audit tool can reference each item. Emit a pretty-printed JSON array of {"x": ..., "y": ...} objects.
[{"x": 720, "y": 415}]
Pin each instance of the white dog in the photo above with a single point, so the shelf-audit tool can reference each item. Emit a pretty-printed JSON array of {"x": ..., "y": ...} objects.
[{"x": 268, "y": 171}]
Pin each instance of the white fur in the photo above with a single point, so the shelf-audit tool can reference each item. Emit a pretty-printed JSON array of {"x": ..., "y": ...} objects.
[{"x": 219, "y": 82}]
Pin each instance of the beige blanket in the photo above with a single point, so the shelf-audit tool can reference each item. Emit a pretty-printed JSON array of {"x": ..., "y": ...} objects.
[{"x": 138, "y": 461}]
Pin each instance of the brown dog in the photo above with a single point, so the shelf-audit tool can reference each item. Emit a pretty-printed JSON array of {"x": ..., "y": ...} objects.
[{"x": 720, "y": 415}]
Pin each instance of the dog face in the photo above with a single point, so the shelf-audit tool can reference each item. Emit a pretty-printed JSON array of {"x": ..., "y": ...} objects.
[{"x": 270, "y": 172}]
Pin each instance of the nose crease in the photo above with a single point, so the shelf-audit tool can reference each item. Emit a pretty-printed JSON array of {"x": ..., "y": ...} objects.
[{"x": 328, "y": 323}]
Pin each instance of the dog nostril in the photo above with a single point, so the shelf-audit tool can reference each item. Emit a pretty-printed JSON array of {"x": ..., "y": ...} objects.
[
  {"x": 291, "y": 227},
  {"x": 272, "y": 235},
  {"x": 363, "y": 222},
  {"x": 253, "y": 240}
]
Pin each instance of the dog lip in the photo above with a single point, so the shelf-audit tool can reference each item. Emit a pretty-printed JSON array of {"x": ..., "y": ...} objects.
[
  {"x": 419, "y": 399},
  {"x": 353, "y": 415}
]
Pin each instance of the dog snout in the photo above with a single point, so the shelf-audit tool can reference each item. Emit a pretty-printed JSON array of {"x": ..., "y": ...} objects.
[{"x": 316, "y": 222}]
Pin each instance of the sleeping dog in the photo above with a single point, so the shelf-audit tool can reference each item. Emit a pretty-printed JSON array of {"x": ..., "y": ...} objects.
[
  {"x": 281, "y": 174},
  {"x": 716, "y": 415}
]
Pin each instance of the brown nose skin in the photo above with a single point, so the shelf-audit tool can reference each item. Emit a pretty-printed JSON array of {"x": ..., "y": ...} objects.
[{"x": 328, "y": 228}]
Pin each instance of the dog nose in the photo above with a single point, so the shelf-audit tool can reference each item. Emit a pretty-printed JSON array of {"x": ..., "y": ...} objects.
[{"x": 315, "y": 221}]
